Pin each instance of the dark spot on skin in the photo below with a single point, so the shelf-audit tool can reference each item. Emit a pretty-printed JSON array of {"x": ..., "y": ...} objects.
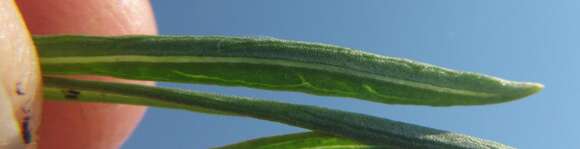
[
  {"x": 19, "y": 89},
  {"x": 26, "y": 134},
  {"x": 71, "y": 94},
  {"x": 25, "y": 127}
]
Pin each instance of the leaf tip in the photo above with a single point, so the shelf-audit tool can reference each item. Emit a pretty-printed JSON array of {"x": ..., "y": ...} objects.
[
  {"x": 528, "y": 88},
  {"x": 534, "y": 87}
]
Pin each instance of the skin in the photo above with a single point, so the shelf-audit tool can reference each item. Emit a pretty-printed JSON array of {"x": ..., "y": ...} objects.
[
  {"x": 20, "y": 82},
  {"x": 72, "y": 125}
]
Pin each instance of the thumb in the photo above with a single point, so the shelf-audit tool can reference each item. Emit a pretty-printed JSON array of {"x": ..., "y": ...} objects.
[{"x": 68, "y": 125}]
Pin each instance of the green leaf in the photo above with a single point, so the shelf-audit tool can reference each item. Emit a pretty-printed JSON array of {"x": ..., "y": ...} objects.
[
  {"x": 274, "y": 64},
  {"x": 363, "y": 128},
  {"x": 306, "y": 140},
  {"x": 65, "y": 94}
]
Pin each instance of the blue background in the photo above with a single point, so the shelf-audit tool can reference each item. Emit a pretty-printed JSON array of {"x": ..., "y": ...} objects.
[{"x": 520, "y": 40}]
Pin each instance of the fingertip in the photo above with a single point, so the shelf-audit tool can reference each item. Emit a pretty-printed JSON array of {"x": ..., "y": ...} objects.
[{"x": 82, "y": 125}]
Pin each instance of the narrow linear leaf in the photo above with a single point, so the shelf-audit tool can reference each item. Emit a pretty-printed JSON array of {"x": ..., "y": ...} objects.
[
  {"x": 274, "y": 64},
  {"x": 306, "y": 140},
  {"x": 363, "y": 128},
  {"x": 67, "y": 94}
]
